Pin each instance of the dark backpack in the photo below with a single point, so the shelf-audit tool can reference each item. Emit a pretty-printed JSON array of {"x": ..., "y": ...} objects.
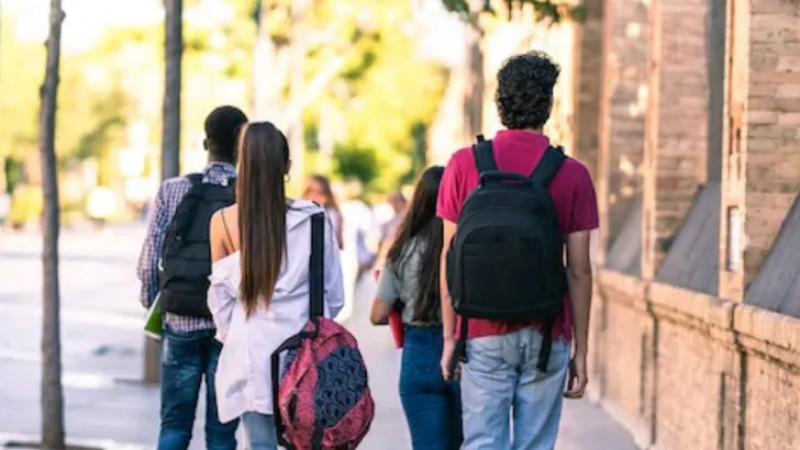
[
  {"x": 506, "y": 261},
  {"x": 186, "y": 254},
  {"x": 322, "y": 399}
]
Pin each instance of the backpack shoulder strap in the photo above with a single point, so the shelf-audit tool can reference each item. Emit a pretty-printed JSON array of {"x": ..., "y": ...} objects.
[
  {"x": 188, "y": 204},
  {"x": 316, "y": 273},
  {"x": 547, "y": 168},
  {"x": 197, "y": 188},
  {"x": 195, "y": 178},
  {"x": 484, "y": 156}
]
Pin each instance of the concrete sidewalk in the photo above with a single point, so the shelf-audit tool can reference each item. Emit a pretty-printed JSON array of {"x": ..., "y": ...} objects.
[
  {"x": 584, "y": 426},
  {"x": 106, "y": 405}
]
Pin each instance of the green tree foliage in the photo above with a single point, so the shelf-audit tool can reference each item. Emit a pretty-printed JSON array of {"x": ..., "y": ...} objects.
[
  {"x": 21, "y": 72},
  {"x": 356, "y": 163},
  {"x": 116, "y": 81},
  {"x": 92, "y": 106},
  {"x": 556, "y": 11},
  {"x": 385, "y": 93},
  {"x": 380, "y": 99}
]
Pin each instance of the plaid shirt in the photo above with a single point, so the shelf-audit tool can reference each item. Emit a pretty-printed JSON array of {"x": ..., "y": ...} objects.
[{"x": 166, "y": 203}]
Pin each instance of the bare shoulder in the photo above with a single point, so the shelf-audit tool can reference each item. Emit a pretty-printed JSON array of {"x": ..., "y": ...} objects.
[
  {"x": 221, "y": 222},
  {"x": 223, "y": 217}
]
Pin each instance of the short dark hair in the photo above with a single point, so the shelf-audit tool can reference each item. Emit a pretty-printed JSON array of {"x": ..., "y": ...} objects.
[
  {"x": 525, "y": 90},
  {"x": 222, "y": 131}
]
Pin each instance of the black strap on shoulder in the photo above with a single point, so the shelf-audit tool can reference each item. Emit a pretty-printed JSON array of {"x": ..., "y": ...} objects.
[
  {"x": 315, "y": 282},
  {"x": 316, "y": 265},
  {"x": 484, "y": 156},
  {"x": 547, "y": 168},
  {"x": 227, "y": 231}
]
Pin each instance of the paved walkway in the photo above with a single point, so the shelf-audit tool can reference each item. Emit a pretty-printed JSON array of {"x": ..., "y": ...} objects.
[{"x": 102, "y": 353}]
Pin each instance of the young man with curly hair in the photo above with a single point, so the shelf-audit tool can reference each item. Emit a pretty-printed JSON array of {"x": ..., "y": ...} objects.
[{"x": 501, "y": 384}]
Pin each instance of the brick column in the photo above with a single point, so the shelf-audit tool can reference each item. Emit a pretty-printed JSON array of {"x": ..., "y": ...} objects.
[
  {"x": 588, "y": 64},
  {"x": 676, "y": 131},
  {"x": 761, "y": 160},
  {"x": 622, "y": 109}
]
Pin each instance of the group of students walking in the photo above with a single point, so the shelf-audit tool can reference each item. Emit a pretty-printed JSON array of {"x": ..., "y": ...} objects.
[{"x": 489, "y": 271}]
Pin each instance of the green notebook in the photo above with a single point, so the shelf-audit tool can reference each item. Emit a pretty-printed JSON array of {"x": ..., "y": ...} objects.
[{"x": 152, "y": 322}]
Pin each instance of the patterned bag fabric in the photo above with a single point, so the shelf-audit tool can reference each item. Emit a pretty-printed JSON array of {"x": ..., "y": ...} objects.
[{"x": 322, "y": 399}]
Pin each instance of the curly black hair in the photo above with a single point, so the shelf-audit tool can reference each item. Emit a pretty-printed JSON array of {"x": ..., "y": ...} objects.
[{"x": 525, "y": 90}]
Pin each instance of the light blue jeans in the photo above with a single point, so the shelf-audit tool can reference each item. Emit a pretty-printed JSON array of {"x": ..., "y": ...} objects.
[
  {"x": 259, "y": 432},
  {"x": 500, "y": 386}
]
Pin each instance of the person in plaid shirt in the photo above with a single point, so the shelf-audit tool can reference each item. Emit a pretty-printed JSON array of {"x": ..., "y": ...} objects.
[{"x": 189, "y": 348}]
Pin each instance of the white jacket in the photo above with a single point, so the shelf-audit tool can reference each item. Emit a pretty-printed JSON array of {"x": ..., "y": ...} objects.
[{"x": 243, "y": 373}]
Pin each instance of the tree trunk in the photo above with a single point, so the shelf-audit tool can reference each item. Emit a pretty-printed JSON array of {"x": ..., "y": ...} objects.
[
  {"x": 270, "y": 70},
  {"x": 473, "y": 95},
  {"x": 299, "y": 50},
  {"x": 262, "y": 50},
  {"x": 171, "y": 137},
  {"x": 52, "y": 394}
]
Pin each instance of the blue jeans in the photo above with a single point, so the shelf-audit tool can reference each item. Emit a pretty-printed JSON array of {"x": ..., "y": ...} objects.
[
  {"x": 432, "y": 405},
  {"x": 259, "y": 432},
  {"x": 186, "y": 358},
  {"x": 500, "y": 384}
]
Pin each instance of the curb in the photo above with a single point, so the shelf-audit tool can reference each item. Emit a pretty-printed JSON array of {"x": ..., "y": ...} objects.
[{"x": 29, "y": 441}]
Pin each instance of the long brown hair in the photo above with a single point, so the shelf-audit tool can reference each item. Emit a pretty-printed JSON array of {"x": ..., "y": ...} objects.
[
  {"x": 261, "y": 197},
  {"x": 327, "y": 192},
  {"x": 421, "y": 227}
]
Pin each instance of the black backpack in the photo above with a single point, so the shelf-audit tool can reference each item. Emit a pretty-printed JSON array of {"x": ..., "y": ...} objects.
[
  {"x": 186, "y": 254},
  {"x": 506, "y": 261}
]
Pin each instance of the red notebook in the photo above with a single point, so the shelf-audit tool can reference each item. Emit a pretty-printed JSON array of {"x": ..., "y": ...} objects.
[
  {"x": 396, "y": 325},
  {"x": 395, "y": 322}
]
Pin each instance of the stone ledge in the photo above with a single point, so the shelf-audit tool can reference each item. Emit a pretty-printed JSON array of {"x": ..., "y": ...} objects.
[
  {"x": 772, "y": 334},
  {"x": 632, "y": 288},
  {"x": 684, "y": 305}
]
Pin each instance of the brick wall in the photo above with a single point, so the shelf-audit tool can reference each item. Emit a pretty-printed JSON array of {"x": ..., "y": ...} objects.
[
  {"x": 761, "y": 164},
  {"x": 773, "y": 124},
  {"x": 676, "y": 121},
  {"x": 694, "y": 369},
  {"x": 681, "y": 369},
  {"x": 588, "y": 56},
  {"x": 684, "y": 370},
  {"x": 622, "y": 332},
  {"x": 622, "y": 111}
]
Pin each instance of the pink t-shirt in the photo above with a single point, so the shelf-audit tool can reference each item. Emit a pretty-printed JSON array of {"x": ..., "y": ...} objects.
[{"x": 571, "y": 189}]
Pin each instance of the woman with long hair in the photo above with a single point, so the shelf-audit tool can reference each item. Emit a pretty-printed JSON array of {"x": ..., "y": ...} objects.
[
  {"x": 410, "y": 279},
  {"x": 259, "y": 291},
  {"x": 319, "y": 191}
]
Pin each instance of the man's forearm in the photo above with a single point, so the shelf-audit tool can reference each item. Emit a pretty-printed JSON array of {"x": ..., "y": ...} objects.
[
  {"x": 448, "y": 313},
  {"x": 580, "y": 288},
  {"x": 448, "y": 318}
]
